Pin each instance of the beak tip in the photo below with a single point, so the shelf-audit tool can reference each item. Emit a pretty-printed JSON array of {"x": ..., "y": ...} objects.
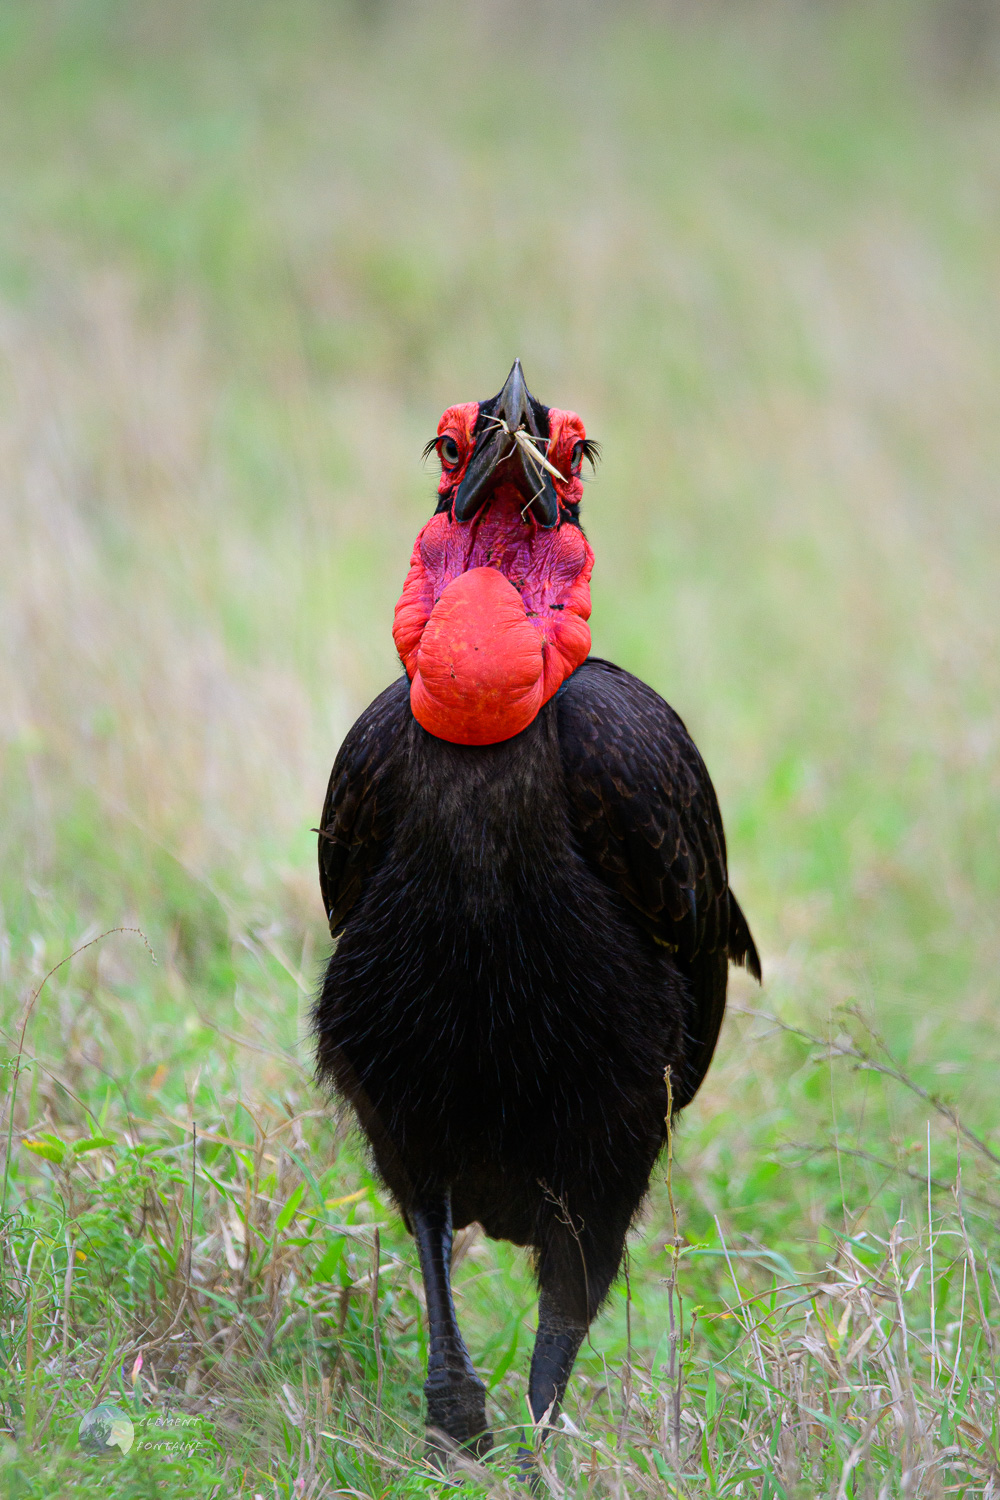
[{"x": 516, "y": 409}]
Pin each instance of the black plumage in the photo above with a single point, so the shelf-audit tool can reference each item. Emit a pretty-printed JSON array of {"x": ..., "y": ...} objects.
[{"x": 529, "y": 934}]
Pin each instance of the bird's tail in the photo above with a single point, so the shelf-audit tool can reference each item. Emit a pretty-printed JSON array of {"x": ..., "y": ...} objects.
[{"x": 741, "y": 947}]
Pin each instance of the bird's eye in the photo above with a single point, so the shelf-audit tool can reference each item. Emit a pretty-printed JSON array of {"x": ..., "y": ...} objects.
[
  {"x": 449, "y": 452},
  {"x": 577, "y": 458}
]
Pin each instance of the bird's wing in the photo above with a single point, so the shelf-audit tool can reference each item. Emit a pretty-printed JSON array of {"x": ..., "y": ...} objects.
[
  {"x": 357, "y": 814},
  {"x": 647, "y": 818}
]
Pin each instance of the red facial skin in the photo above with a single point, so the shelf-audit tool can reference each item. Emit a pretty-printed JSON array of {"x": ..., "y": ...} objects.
[{"x": 493, "y": 614}]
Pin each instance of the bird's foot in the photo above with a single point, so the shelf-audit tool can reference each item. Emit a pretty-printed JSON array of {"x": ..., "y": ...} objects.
[{"x": 456, "y": 1416}]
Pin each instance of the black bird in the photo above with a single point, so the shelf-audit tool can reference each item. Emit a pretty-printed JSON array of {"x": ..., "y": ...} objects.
[{"x": 523, "y": 863}]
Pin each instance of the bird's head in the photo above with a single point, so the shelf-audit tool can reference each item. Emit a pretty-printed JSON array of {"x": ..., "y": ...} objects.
[{"x": 493, "y": 615}]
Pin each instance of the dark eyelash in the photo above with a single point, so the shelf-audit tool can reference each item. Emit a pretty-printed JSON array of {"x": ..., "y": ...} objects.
[{"x": 591, "y": 450}]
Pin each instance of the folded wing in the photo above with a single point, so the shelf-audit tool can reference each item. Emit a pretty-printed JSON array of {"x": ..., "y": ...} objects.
[
  {"x": 647, "y": 819},
  {"x": 357, "y": 814}
]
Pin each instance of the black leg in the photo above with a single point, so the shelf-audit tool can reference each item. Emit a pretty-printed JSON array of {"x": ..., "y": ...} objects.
[
  {"x": 557, "y": 1344},
  {"x": 575, "y": 1270},
  {"x": 456, "y": 1397}
]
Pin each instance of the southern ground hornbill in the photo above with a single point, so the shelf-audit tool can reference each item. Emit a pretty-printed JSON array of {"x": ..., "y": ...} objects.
[{"x": 523, "y": 862}]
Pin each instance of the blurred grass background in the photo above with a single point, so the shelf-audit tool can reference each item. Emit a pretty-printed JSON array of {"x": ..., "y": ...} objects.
[{"x": 248, "y": 253}]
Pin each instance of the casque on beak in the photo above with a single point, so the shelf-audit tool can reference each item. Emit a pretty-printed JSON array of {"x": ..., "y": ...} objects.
[{"x": 498, "y": 454}]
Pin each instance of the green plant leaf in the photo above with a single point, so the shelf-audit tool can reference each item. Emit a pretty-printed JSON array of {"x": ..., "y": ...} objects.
[
  {"x": 92, "y": 1143},
  {"x": 49, "y": 1147},
  {"x": 288, "y": 1212}
]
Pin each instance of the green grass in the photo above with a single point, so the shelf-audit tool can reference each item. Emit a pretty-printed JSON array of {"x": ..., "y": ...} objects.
[{"x": 247, "y": 255}]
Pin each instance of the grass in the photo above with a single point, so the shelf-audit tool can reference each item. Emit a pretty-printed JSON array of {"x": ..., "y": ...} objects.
[{"x": 247, "y": 255}]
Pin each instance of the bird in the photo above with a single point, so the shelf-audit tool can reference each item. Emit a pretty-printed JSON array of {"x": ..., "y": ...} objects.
[{"x": 523, "y": 865}]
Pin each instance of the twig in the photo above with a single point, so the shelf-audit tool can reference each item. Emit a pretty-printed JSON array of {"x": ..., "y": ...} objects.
[
  {"x": 752, "y": 1329},
  {"x": 24, "y": 1026},
  {"x": 930, "y": 1243},
  {"x": 867, "y": 1063},
  {"x": 859, "y": 1451},
  {"x": 194, "y": 1165},
  {"x": 970, "y": 1253},
  {"x": 565, "y": 1218},
  {"x": 961, "y": 1326},
  {"x": 376, "y": 1330},
  {"x": 67, "y": 1293},
  {"x": 937, "y": 1183},
  {"x": 674, "y": 1372},
  {"x": 627, "y": 1371}
]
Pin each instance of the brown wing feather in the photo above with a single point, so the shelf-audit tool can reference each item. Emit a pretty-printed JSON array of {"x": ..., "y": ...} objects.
[
  {"x": 648, "y": 819},
  {"x": 357, "y": 813}
]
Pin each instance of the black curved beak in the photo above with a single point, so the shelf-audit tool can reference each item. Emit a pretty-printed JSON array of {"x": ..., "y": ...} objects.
[{"x": 514, "y": 410}]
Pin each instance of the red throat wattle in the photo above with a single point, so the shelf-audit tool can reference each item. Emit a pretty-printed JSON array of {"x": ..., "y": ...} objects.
[{"x": 492, "y": 620}]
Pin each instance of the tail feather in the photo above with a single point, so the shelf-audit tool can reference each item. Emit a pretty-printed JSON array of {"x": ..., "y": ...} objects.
[{"x": 741, "y": 947}]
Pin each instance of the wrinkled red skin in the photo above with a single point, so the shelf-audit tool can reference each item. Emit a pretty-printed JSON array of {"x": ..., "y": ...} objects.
[{"x": 493, "y": 614}]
